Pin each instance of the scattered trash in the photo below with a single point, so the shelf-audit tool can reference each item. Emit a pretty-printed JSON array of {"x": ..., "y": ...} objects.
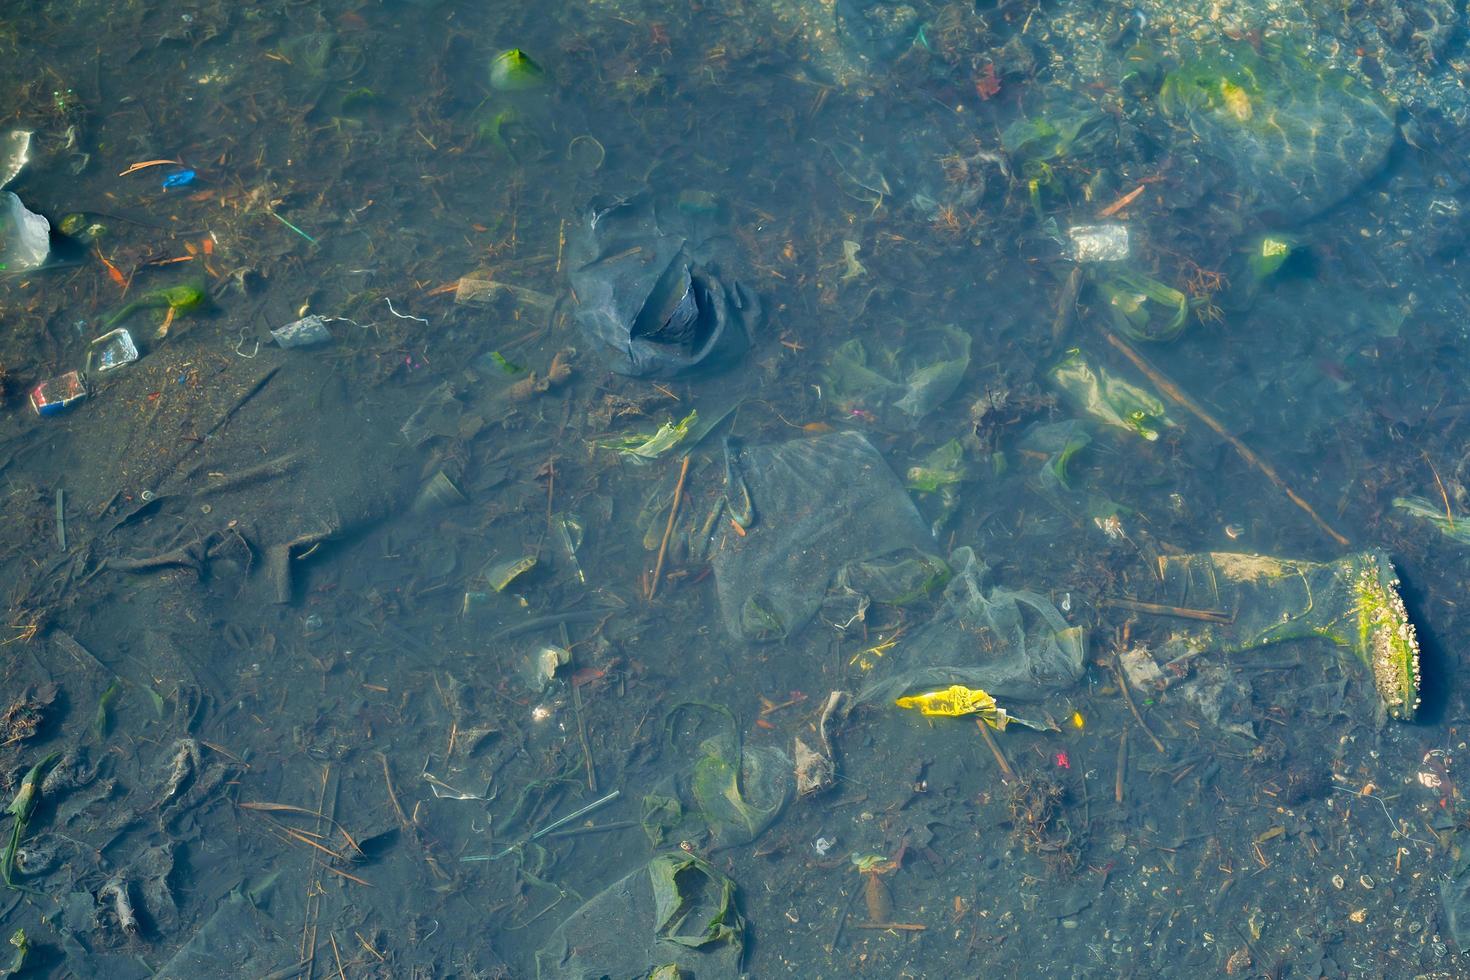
[
  {"x": 816, "y": 769},
  {"x": 81, "y": 228},
  {"x": 21, "y": 807},
  {"x": 25, "y": 237},
  {"x": 1143, "y": 308},
  {"x": 501, "y": 573},
  {"x": 306, "y": 332},
  {"x": 175, "y": 300},
  {"x": 440, "y": 492},
  {"x": 1098, "y": 243},
  {"x": 1297, "y": 135},
  {"x": 516, "y": 301},
  {"x": 58, "y": 394},
  {"x": 1141, "y": 669},
  {"x": 111, "y": 351}
]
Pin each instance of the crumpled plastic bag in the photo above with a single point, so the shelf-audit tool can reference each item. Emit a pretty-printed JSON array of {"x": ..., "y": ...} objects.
[
  {"x": 651, "y": 288},
  {"x": 904, "y": 383},
  {"x": 1108, "y": 398},
  {"x": 678, "y": 910},
  {"x": 734, "y": 791},
  {"x": 1012, "y": 644}
]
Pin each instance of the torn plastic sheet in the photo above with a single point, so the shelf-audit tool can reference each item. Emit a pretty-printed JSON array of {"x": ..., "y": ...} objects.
[
  {"x": 1352, "y": 602},
  {"x": 825, "y": 502}
]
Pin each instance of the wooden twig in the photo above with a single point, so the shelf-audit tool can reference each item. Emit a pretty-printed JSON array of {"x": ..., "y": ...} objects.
[
  {"x": 392, "y": 796},
  {"x": 1449, "y": 515},
  {"x": 1122, "y": 766},
  {"x": 1174, "y": 392},
  {"x": 663, "y": 547},
  {"x": 1000, "y": 757},
  {"x": 1182, "y": 612},
  {"x": 898, "y": 926},
  {"x": 842, "y": 917},
  {"x": 1128, "y": 699}
]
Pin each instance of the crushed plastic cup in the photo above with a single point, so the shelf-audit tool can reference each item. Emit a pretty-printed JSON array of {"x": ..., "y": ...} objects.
[
  {"x": 306, "y": 332},
  {"x": 57, "y": 394},
  {"x": 111, "y": 351},
  {"x": 1099, "y": 243}
]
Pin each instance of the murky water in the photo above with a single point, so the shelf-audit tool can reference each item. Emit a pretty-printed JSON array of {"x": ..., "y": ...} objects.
[{"x": 681, "y": 369}]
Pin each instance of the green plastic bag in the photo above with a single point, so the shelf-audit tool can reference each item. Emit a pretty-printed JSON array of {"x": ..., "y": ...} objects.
[
  {"x": 904, "y": 383},
  {"x": 1109, "y": 399}
]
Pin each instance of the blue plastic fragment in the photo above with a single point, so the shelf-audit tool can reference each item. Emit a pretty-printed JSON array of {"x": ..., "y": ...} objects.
[{"x": 180, "y": 179}]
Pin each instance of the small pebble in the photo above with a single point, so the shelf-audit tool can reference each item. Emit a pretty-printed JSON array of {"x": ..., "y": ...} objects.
[
  {"x": 1338, "y": 882},
  {"x": 1365, "y": 881}
]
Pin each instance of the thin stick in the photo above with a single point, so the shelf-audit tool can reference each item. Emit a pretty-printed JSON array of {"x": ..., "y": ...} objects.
[
  {"x": 1448, "y": 514},
  {"x": 338, "y": 954},
  {"x": 392, "y": 796},
  {"x": 582, "y": 737},
  {"x": 663, "y": 546},
  {"x": 1128, "y": 699},
  {"x": 61, "y": 517},
  {"x": 900, "y": 926},
  {"x": 842, "y": 919},
  {"x": 1182, "y": 612},
  {"x": 1246, "y": 453},
  {"x": 1122, "y": 766},
  {"x": 1000, "y": 757}
]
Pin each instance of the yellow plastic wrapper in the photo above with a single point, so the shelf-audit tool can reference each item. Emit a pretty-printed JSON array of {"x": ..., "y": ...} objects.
[{"x": 956, "y": 701}]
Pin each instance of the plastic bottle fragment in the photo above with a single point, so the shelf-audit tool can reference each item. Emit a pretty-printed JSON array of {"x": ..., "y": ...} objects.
[
  {"x": 1099, "y": 243},
  {"x": 111, "y": 351},
  {"x": 305, "y": 332}
]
